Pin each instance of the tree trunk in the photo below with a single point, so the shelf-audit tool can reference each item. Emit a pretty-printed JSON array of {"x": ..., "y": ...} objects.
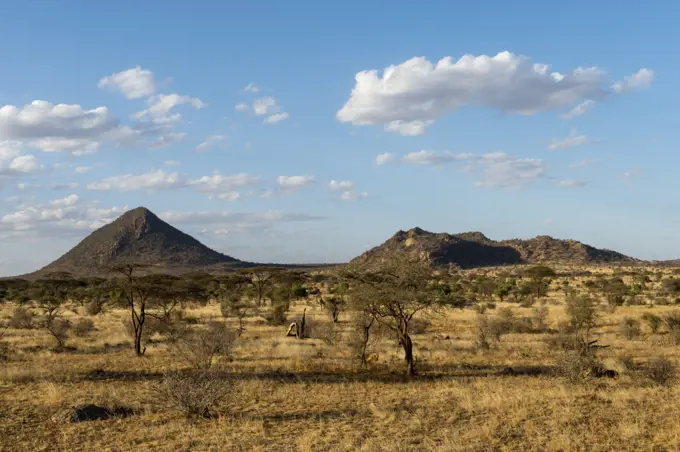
[
  {"x": 408, "y": 354},
  {"x": 138, "y": 326}
]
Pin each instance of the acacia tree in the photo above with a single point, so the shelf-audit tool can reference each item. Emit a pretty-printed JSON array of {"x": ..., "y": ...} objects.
[
  {"x": 50, "y": 294},
  {"x": 132, "y": 291},
  {"x": 393, "y": 295},
  {"x": 261, "y": 280}
]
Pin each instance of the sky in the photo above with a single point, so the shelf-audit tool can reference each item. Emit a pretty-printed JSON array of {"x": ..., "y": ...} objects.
[{"x": 309, "y": 131}]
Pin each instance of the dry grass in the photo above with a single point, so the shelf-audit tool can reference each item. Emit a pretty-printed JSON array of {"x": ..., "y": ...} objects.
[{"x": 307, "y": 395}]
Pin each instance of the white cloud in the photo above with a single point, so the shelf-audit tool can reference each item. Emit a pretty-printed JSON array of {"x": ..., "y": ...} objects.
[
  {"x": 569, "y": 183},
  {"x": 504, "y": 171},
  {"x": 172, "y": 163},
  {"x": 293, "y": 183},
  {"x": 408, "y": 128},
  {"x": 24, "y": 164},
  {"x": 41, "y": 119},
  {"x": 161, "y": 105},
  {"x": 352, "y": 196},
  {"x": 82, "y": 169},
  {"x": 640, "y": 80},
  {"x": 230, "y": 195},
  {"x": 265, "y": 106},
  {"x": 583, "y": 163},
  {"x": 341, "y": 185},
  {"x": 209, "y": 142},
  {"x": 580, "y": 109},
  {"x": 417, "y": 90},
  {"x": 167, "y": 140},
  {"x": 424, "y": 157},
  {"x": 133, "y": 83},
  {"x": 241, "y": 107},
  {"x": 64, "y": 186},
  {"x": 276, "y": 117},
  {"x": 224, "y": 185},
  {"x": 251, "y": 88},
  {"x": 77, "y": 147},
  {"x": 68, "y": 215},
  {"x": 572, "y": 141},
  {"x": 154, "y": 180},
  {"x": 384, "y": 158}
]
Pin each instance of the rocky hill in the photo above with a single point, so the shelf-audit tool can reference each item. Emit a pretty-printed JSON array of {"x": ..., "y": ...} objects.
[
  {"x": 474, "y": 249},
  {"x": 137, "y": 236}
]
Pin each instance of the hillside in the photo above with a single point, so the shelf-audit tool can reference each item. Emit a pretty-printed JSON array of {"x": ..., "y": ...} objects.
[
  {"x": 137, "y": 236},
  {"x": 474, "y": 249}
]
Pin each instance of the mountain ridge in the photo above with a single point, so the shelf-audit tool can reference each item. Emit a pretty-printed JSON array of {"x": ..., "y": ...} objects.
[{"x": 474, "y": 249}]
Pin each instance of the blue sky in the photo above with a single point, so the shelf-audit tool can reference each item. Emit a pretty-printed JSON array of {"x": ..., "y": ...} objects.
[{"x": 230, "y": 120}]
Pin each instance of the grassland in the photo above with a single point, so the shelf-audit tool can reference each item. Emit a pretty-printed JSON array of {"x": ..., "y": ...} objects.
[{"x": 307, "y": 395}]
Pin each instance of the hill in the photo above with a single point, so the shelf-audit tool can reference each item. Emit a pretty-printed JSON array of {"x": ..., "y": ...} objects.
[
  {"x": 474, "y": 249},
  {"x": 137, "y": 236}
]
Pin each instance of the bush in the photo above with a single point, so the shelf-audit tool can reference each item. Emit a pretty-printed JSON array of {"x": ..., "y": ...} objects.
[
  {"x": 540, "y": 319},
  {"x": 83, "y": 327},
  {"x": 661, "y": 371},
  {"x": 277, "y": 315},
  {"x": 59, "y": 328},
  {"x": 418, "y": 326},
  {"x": 326, "y": 331},
  {"x": 22, "y": 318},
  {"x": 5, "y": 351},
  {"x": 196, "y": 394},
  {"x": 576, "y": 367},
  {"x": 630, "y": 328},
  {"x": 653, "y": 321},
  {"x": 199, "y": 347},
  {"x": 94, "y": 307}
]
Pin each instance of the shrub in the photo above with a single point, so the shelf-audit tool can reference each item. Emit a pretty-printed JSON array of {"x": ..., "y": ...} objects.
[
  {"x": 630, "y": 328},
  {"x": 22, "y": 318},
  {"x": 199, "y": 347},
  {"x": 540, "y": 319},
  {"x": 59, "y": 329},
  {"x": 277, "y": 314},
  {"x": 196, "y": 394},
  {"x": 5, "y": 350},
  {"x": 576, "y": 367},
  {"x": 418, "y": 326},
  {"x": 83, "y": 327},
  {"x": 326, "y": 331},
  {"x": 653, "y": 321},
  {"x": 94, "y": 307},
  {"x": 661, "y": 371}
]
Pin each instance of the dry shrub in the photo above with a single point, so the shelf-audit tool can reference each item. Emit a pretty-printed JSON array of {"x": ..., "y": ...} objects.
[
  {"x": 277, "y": 315},
  {"x": 418, "y": 326},
  {"x": 576, "y": 367},
  {"x": 630, "y": 328},
  {"x": 661, "y": 371},
  {"x": 540, "y": 319},
  {"x": 653, "y": 321},
  {"x": 489, "y": 331},
  {"x": 6, "y": 350},
  {"x": 200, "y": 347},
  {"x": 83, "y": 327},
  {"x": 326, "y": 331},
  {"x": 22, "y": 318},
  {"x": 59, "y": 329},
  {"x": 196, "y": 394}
]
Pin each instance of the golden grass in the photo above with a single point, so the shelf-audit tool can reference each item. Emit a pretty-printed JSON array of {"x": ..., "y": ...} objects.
[{"x": 307, "y": 396}]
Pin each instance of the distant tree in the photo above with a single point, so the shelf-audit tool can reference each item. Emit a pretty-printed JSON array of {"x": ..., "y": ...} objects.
[
  {"x": 50, "y": 294},
  {"x": 261, "y": 280},
  {"x": 671, "y": 286},
  {"x": 393, "y": 295},
  {"x": 14, "y": 290},
  {"x": 504, "y": 288}
]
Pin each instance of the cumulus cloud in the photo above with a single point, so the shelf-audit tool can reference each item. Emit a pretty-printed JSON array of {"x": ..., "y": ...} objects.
[
  {"x": 241, "y": 107},
  {"x": 161, "y": 105},
  {"x": 77, "y": 147},
  {"x": 502, "y": 170},
  {"x": 424, "y": 157},
  {"x": 265, "y": 106},
  {"x": 224, "y": 186},
  {"x": 408, "y": 128},
  {"x": 409, "y": 96},
  {"x": 276, "y": 117},
  {"x": 341, "y": 185},
  {"x": 352, "y": 196},
  {"x": 640, "y": 80},
  {"x": 133, "y": 83},
  {"x": 69, "y": 215},
  {"x": 570, "y": 183},
  {"x": 572, "y": 141},
  {"x": 13, "y": 162},
  {"x": 580, "y": 109},
  {"x": 154, "y": 180},
  {"x": 384, "y": 158},
  {"x": 209, "y": 142},
  {"x": 294, "y": 183}
]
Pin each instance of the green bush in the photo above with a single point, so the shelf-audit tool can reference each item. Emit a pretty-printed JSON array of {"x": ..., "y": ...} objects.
[{"x": 653, "y": 321}]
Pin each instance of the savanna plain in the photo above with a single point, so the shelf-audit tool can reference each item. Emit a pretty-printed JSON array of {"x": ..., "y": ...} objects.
[{"x": 512, "y": 358}]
